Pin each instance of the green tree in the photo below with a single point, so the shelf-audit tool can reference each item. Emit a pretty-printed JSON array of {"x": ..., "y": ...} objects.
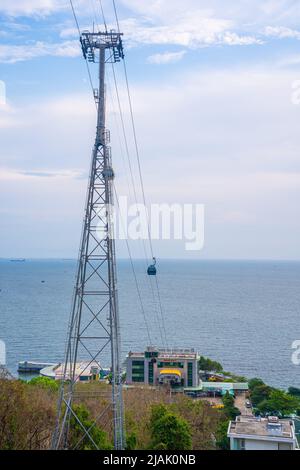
[
  {"x": 45, "y": 382},
  {"x": 78, "y": 440},
  {"x": 222, "y": 440},
  {"x": 253, "y": 383},
  {"x": 228, "y": 400},
  {"x": 230, "y": 411},
  {"x": 279, "y": 403},
  {"x": 168, "y": 430},
  {"x": 131, "y": 441},
  {"x": 260, "y": 393},
  {"x": 294, "y": 391},
  {"x": 209, "y": 365}
]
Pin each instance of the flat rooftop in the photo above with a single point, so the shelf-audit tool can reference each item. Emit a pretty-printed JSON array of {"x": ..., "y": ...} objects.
[
  {"x": 225, "y": 385},
  {"x": 82, "y": 368},
  {"x": 261, "y": 427},
  {"x": 167, "y": 353}
]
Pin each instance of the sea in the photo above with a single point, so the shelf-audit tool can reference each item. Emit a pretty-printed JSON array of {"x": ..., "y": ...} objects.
[{"x": 244, "y": 314}]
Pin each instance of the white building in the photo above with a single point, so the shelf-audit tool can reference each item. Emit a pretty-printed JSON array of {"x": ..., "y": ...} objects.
[
  {"x": 251, "y": 433},
  {"x": 85, "y": 371}
]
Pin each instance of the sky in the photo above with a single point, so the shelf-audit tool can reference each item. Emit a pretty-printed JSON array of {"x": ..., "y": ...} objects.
[{"x": 215, "y": 92}]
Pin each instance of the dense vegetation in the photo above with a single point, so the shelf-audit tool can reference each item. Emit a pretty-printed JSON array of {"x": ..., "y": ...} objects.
[
  {"x": 27, "y": 414},
  {"x": 154, "y": 418},
  {"x": 207, "y": 364},
  {"x": 230, "y": 412},
  {"x": 168, "y": 430},
  {"x": 269, "y": 400}
]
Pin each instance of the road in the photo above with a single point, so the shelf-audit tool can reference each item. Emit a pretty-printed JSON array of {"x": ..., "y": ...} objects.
[{"x": 240, "y": 403}]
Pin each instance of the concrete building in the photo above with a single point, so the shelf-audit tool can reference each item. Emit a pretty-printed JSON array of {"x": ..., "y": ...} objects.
[
  {"x": 221, "y": 388},
  {"x": 85, "y": 371},
  {"x": 177, "y": 367},
  {"x": 218, "y": 389},
  {"x": 251, "y": 433}
]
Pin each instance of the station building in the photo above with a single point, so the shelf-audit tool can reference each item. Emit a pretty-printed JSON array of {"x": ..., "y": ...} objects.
[{"x": 176, "y": 367}]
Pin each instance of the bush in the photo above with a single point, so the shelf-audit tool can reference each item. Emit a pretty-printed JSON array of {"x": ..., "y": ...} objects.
[
  {"x": 222, "y": 440},
  {"x": 46, "y": 383},
  {"x": 27, "y": 416},
  {"x": 131, "y": 441},
  {"x": 77, "y": 439},
  {"x": 169, "y": 431},
  {"x": 230, "y": 411}
]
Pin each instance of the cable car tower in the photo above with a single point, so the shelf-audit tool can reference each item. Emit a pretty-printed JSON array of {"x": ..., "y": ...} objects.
[{"x": 94, "y": 330}]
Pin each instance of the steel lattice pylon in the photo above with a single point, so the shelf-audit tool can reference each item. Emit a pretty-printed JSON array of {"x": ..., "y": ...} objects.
[{"x": 94, "y": 331}]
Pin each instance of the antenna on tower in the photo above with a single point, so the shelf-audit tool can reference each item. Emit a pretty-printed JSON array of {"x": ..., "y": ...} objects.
[{"x": 94, "y": 330}]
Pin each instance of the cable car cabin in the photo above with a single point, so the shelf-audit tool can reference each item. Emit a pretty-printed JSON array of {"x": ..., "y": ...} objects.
[{"x": 151, "y": 271}]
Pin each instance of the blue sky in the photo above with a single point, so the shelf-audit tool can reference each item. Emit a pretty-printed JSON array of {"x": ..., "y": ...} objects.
[{"x": 212, "y": 88}]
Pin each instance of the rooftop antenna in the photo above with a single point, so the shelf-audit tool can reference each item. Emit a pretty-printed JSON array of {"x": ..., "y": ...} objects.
[{"x": 94, "y": 330}]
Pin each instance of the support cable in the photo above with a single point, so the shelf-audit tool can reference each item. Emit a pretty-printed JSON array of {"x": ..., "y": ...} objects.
[
  {"x": 129, "y": 189},
  {"x": 133, "y": 270},
  {"x": 103, "y": 16},
  {"x": 159, "y": 322},
  {"x": 139, "y": 165},
  {"x": 86, "y": 62}
]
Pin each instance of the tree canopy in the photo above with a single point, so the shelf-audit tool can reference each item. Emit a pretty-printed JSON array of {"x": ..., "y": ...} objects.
[
  {"x": 169, "y": 431},
  {"x": 279, "y": 403},
  {"x": 77, "y": 439},
  {"x": 207, "y": 364}
]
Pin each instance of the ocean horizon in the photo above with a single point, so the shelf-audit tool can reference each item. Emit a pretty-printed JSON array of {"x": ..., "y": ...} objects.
[{"x": 242, "y": 313}]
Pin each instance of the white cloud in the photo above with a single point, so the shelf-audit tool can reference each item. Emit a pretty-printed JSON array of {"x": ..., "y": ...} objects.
[
  {"x": 245, "y": 14},
  {"x": 12, "y": 175},
  {"x": 195, "y": 23},
  {"x": 69, "y": 32},
  {"x": 289, "y": 60},
  {"x": 162, "y": 23},
  {"x": 166, "y": 57},
  {"x": 192, "y": 24},
  {"x": 16, "y": 53},
  {"x": 31, "y": 7},
  {"x": 282, "y": 32},
  {"x": 193, "y": 30},
  {"x": 8, "y": 116},
  {"x": 65, "y": 127},
  {"x": 236, "y": 129},
  {"x": 226, "y": 138}
]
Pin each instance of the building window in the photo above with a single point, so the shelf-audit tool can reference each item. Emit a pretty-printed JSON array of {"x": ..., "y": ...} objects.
[
  {"x": 137, "y": 363},
  {"x": 84, "y": 378},
  {"x": 138, "y": 378},
  {"x": 190, "y": 374},
  {"x": 150, "y": 372},
  {"x": 138, "y": 371},
  {"x": 179, "y": 365},
  {"x": 149, "y": 354}
]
